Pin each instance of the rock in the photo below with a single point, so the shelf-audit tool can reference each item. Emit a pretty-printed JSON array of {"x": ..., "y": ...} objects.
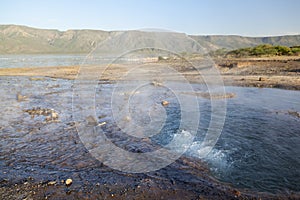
[
  {"x": 51, "y": 182},
  {"x": 51, "y": 115},
  {"x": 91, "y": 121},
  {"x": 102, "y": 116},
  {"x": 212, "y": 96},
  {"x": 294, "y": 113},
  {"x": 101, "y": 124},
  {"x": 48, "y": 118},
  {"x": 127, "y": 118},
  {"x": 36, "y": 79},
  {"x": 164, "y": 103},
  {"x": 68, "y": 182},
  {"x": 146, "y": 140},
  {"x": 236, "y": 193},
  {"x": 54, "y": 115},
  {"x": 156, "y": 84},
  {"x": 21, "y": 97}
]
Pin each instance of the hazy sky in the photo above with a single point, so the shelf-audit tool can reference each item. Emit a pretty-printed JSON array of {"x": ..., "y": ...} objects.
[{"x": 203, "y": 17}]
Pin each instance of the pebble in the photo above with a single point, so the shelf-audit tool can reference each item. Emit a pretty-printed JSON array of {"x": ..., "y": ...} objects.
[
  {"x": 51, "y": 114},
  {"x": 69, "y": 181},
  {"x": 156, "y": 84},
  {"x": 164, "y": 103},
  {"x": 54, "y": 115},
  {"x": 101, "y": 124},
  {"x": 237, "y": 193},
  {"x": 294, "y": 113},
  {"x": 127, "y": 118},
  {"x": 48, "y": 118},
  {"x": 91, "y": 120},
  {"x": 21, "y": 97},
  {"x": 52, "y": 183}
]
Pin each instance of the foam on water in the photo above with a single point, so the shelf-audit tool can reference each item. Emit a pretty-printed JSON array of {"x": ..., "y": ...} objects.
[{"x": 217, "y": 159}]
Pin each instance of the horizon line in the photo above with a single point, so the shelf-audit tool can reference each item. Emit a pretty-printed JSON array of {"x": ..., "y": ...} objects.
[{"x": 143, "y": 30}]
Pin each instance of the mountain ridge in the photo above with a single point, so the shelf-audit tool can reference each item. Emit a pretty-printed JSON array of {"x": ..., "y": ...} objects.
[{"x": 19, "y": 39}]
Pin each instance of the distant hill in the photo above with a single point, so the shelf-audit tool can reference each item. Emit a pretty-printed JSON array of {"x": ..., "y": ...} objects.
[
  {"x": 15, "y": 39},
  {"x": 235, "y": 42}
]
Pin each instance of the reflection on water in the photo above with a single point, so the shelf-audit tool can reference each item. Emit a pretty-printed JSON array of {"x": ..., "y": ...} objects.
[{"x": 258, "y": 148}]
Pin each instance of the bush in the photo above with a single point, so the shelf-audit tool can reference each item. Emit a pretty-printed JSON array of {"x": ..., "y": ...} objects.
[
  {"x": 295, "y": 50},
  {"x": 264, "y": 50},
  {"x": 282, "y": 50}
]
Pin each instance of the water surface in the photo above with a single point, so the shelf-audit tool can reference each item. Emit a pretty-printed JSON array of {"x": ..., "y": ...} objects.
[{"x": 258, "y": 149}]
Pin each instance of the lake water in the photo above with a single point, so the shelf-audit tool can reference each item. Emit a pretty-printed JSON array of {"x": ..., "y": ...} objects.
[
  {"x": 16, "y": 61},
  {"x": 47, "y": 60},
  {"x": 257, "y": 150},
  {"x": 259, "y": 146}
]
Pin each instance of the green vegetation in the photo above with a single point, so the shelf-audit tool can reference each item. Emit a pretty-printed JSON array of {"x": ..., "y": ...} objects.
[
  {"x": 258, "y": 51},
  {"x": 295, "y": 50}
]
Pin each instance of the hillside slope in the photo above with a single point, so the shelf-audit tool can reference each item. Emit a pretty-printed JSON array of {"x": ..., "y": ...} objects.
[{"x": 15, "y": 39}]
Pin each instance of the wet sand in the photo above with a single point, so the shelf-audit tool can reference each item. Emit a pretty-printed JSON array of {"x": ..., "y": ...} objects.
[
  {"x": 140, "y": 189},
  {"x": 132, "y": 186}
]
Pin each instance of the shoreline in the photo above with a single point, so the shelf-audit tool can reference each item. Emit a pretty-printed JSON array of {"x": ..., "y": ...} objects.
[
  {"x": 234, "y": 77},
  {"x": 151, "y": 185}
]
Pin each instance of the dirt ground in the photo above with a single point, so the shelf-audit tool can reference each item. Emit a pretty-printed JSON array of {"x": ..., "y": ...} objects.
[
  {"x": 278, "y": 72},
  {"x": 273, "y": 72}
]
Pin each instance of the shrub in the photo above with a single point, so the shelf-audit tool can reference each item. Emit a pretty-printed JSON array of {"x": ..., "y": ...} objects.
[
  {"x": 264, "y": 50},
  {"x": 283, "y": 50}
]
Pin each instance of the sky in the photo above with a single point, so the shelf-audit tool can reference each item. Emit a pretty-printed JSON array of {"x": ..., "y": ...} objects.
[{"x": 197, "y": 17}]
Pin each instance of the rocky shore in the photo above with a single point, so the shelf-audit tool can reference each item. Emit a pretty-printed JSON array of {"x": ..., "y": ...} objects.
[
  {"x": 271, "y": 72},
  {"x": 41, "y": 121}
]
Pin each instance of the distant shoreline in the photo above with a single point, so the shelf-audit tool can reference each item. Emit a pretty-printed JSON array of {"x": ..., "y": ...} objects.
[{"x": 268, "y": 72}]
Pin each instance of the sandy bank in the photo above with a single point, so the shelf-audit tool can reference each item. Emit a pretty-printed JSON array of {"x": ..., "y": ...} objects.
[{"x": 272, "y": 72}]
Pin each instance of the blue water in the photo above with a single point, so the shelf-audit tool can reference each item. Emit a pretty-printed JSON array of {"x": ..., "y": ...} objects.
[
  {"x": 48, "y": 60},
  {"x": 259, "y": 147},
  {"x": 260, "y": 143},
  {"x": 16, "y": 61}
]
